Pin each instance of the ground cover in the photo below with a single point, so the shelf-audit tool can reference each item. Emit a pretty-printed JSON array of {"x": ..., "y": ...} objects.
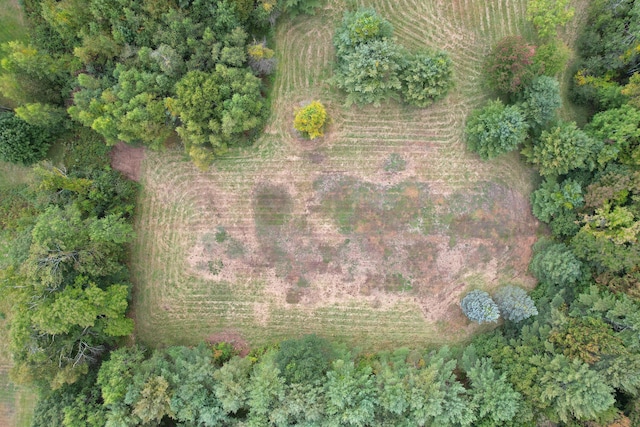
[{"x": 370, "y": 234}]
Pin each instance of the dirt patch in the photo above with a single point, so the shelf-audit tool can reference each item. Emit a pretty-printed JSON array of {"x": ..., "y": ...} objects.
[
  {"x": 127, "y": 159},
  {"x": 240, "y": 345}
]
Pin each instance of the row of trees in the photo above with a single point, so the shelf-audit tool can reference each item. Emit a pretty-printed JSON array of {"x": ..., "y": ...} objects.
[
  {"x": 566, "y": 366},
  {"x": 371, "y": 67}
]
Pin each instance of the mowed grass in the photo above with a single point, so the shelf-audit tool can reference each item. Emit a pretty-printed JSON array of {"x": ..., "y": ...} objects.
[{"x": 323, "y": 237}]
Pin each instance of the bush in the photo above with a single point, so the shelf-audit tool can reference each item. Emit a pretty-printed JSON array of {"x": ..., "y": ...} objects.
[
  {"x": 21, "y": 142},
  {"x": 514, "y": 304},
  {"x": 311, "y": 120},
  {"x": 555, "y": 263},
  {"x": 495, "y": 129},
  {"x": 426, "y": 77},
  {"x": 479, "y": 307},
  {"x": 551, "y": 58},
  {"x": 509, "y": 66}
]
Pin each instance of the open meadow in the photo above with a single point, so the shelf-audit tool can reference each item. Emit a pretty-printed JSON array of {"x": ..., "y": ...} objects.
[{"x": 369, "y": 235}]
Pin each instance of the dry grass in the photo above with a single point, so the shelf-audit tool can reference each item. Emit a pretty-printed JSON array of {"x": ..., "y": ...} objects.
[{"x": 291, "y": 237}]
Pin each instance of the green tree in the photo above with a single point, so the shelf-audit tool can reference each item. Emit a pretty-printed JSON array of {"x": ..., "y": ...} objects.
[
  {"x": 304, "y": 360},
  {"x": 21, "y": 142},
  {"x": 217, "y": 108},
  {"x": 619, "y": 129},
  {"x": 514, "y": 303},
  {"x": 231, "y": 388},
  {"x": 479, "y": 307},
  {"x": 555, "y": 263},
  {"x": 359, "y": 27},
  {"x": 552, "y": 199},
  {"x": 370, "y": 72},
  {"x": 351, "y": 395},
  {"x": 563, "y": 149},
  {"x": 495, "y": 129},
  {"x": 266, "y": 389},
  {"x": 551, "y": 58},
  {"x": 494, "y": 398},
  {"x": 547, "y": 15},
  {"x": 540, "y": 102},
  {"x": 426, "y": 77}
]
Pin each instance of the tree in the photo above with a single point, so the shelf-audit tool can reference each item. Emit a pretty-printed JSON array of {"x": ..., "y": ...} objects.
[
  {"x": 21, "y": 142},
  {"x": 619, "y": 129},
  {"x": 360, "y": 27},
  {"x": 540, "y": 102},
  {"x": 495, "y": 129},
  {"x": 296, "y": 7},
  {"x": 261, "y": 58},
  {"x": 216, "y": 109},
  {"x": 563, "y": 149},
  {"x": 547, "y": 15},
  {"x": 551, "y": 58},
  {"x": 514, "y": 304},
  {"x": 306, "y": 359},
  {"x": 509, "y": 65},
  {"x": 370, "y": 72},
  {"x": 552, "y": 200},
  {"x": 479, "y": 307},
  {"x": 555, "y": 263},
  {"x": 311, "y": 120},
  {"x": 351, "y": 395},
  {"x": 493, "y": 396},
  {"x": 426, "y": 77}
]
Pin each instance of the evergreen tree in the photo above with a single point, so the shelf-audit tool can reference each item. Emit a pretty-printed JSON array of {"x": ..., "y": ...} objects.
[
  {"x": 479, "y": 307},
  {"x": 514, "y": 304}
]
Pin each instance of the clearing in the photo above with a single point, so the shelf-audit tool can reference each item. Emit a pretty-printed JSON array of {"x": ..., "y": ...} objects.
[{"x": 369, "y": 235}]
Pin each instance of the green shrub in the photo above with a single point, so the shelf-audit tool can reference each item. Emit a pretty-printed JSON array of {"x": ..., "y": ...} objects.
[{"x": 555, "y": 263}]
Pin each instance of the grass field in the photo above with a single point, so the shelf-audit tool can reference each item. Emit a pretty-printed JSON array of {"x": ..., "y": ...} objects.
[{"x": 369, "y": 235}]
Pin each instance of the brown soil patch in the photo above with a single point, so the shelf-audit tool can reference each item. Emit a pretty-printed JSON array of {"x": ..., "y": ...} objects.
[
  {"x": 127, "y": 159},
  {"x": 240, "y": 345}
]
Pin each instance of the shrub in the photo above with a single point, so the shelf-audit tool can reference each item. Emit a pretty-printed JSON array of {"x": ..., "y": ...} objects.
[
  {"x": 21, "y": 142},
  {"x": 426, "y": 77},
  {"x": 495, "y": 129},
  {"x": 311, "y": 120},
  {"x": 551, "y": 58},
  {"x": 479, "y": 307},
  {"x": 261, "y": 58},
  {"x": 514, "y": 304},
  {"x": 509, "y": 66}
]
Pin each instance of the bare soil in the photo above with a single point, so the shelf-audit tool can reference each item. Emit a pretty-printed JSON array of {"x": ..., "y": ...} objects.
[{"x": 127, "y": 159}]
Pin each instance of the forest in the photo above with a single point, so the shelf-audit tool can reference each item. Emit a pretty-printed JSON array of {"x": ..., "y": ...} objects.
[{"x": 200, "y": 75}]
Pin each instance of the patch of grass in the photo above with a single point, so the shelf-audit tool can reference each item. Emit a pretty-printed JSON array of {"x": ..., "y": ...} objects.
[
  {"x": 342, "y": 223},
  {"x": 395, "y": 163}
]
